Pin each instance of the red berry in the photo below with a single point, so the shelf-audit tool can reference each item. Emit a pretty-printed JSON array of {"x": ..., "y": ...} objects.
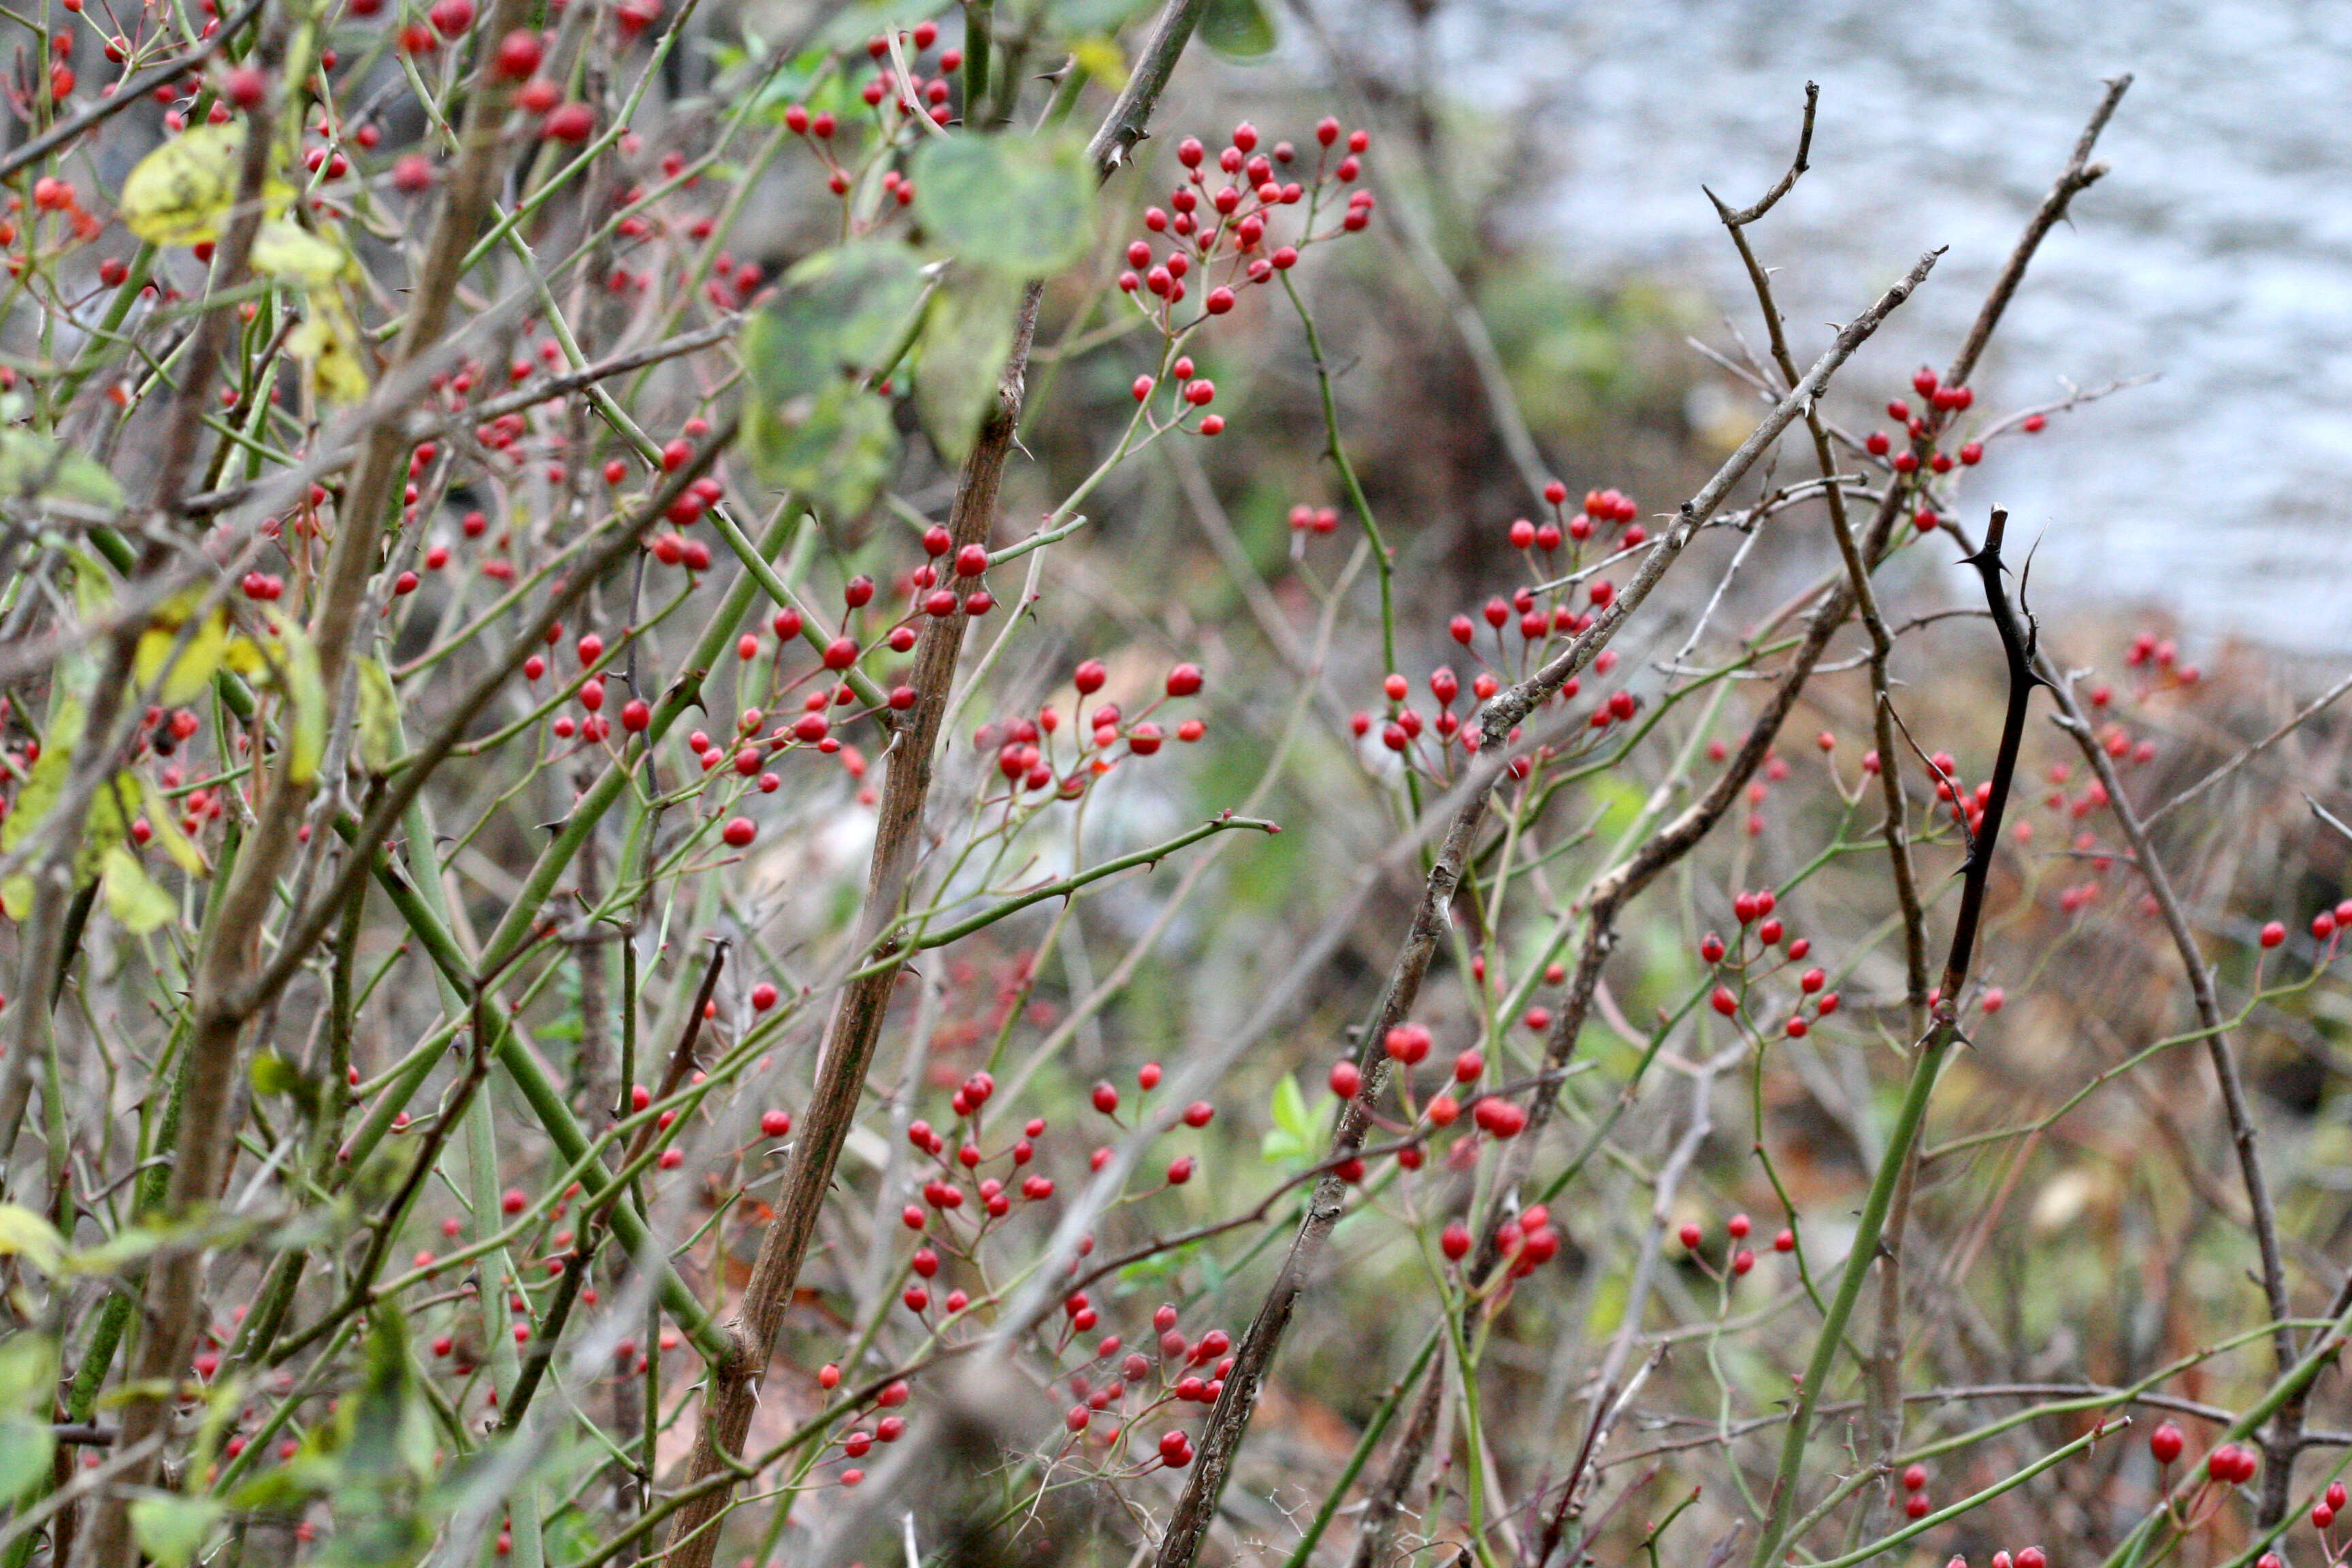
[
  {"x": 519, "y": 53},
  {"x": 1346, "y": 1080},
  {"x": 572, "y": 122},
  {"x": 2273, "y": 933},
  {"x": 739, "y": 832},
  {"x": 1106, "y": 1098}
]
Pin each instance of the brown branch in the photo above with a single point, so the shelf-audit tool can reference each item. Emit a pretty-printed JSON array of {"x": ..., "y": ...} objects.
[{"x": 1885, "y": 1418}]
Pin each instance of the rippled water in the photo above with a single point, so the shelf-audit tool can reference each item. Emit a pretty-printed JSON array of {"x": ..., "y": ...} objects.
[{"x": 2217, "y": 253}]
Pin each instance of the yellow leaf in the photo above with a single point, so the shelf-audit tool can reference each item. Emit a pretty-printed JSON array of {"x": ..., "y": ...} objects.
[
  {"x": 306, "y": 734},
  {"x": 328, "y": 345},
  {"x": 16, "y": 897},
  {"x": 24, "y": 1233},
  {"x": 379, "y": 725},
  {"x": 46, "y": 782},
  {"x": 131, "y": 895},
  {"x": 293, "y": 254},
  {"x": 179, "y": 193},
  {"x": 164, "y": 818},
  {"x": 192, "y": 665},
  {"x": 1101, "y": 59},
  {"x": 292, "y": 665}
]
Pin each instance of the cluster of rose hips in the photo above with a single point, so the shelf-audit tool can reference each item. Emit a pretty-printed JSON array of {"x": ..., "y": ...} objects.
[
  {"x": 954, "y": 1184},
  {"x": 2229, "y": 1465},
  {"x": 2161, "y": 659},
  {"x": 1542, "y": 611},
  {"x": 2030, "y": 1557},
  {"x": 857, "y": 1442},
  {"x": 1525, "y": 1242},
  {"x": 1742, "y": 1257},
  {"x": 1773, "y": 948},
  {"x": 1920, "y": 455},
  {"x": 1025, "y": 746},
  {"x": 517, "y": 58},
  {"x": 1134, "y": 1387},
  {"x": 1408, "y": 1045},
  {"x": 1224, "y": 232},
  {"x": 893, "y": 105}
]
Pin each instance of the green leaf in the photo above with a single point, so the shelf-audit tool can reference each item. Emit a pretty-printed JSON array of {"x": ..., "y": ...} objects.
[
  {"x": 47, "y": 783},
  {"x": 273, "y": 1073},
  {"x": 838, "y": 452},
  {"x": 1293, "y": 1133},
  {"x": 389, "y": 1436},
  {"x": 132, "y": 896},
  {"x": 26, "y": 1449},
  {"x": 1238, "y": 28},
  {"x": 28, "y": 1370},
  {"x": 1023, "y": 204},
  {"x": 105, "y": 825},
  {"x": 171, "y": 1529},
  {"x": 93, "y": 584},
  {"x": 379, "y": 721},
  {"x": 306, "y": 694},
  {"x": 122, "y": 1249},
  {"x": 838, "y": 314},
  {"x": 964, "y": 347},
  {"x": 29, "y": 1235},
  {"x": 34, "y": 468}
]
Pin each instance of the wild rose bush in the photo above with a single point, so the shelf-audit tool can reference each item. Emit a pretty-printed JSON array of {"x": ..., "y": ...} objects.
[{"x": 559, "y": 824}]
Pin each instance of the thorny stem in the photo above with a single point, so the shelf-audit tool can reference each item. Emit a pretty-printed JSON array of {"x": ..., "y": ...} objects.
[{"x": 2017, "y": 648}]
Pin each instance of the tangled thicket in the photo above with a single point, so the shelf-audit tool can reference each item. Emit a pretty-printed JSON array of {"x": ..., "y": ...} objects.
[{"x": 752, "y": 808}]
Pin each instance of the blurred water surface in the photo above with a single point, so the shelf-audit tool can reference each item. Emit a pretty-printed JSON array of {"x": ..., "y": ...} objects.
[{"x": 2218, "y": 253}]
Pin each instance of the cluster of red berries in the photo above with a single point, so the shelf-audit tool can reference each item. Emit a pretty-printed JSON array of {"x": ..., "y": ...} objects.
[
  {"x": 1742, "y": 1257},
  {"x": 1408, "y": 1045},
  {"x": 1920, "y": 455},
  {"x": 2161, "y": 658},
  {"x": 1914, "y": 1491},
  {"x": 1104, "y": 1098},
  {"x": 943, "y": 1190},
  {"x": 2030, "y": 1557},
  {"x": 1183, "y": 1375},
  {"x": 1542, "y": 612},
  {"x": 1773, "y": 947},
  {"x": 1223, "y": 234},
  {"x": 894, "y": 103},
  {"x": 857, "y": 1442}
]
